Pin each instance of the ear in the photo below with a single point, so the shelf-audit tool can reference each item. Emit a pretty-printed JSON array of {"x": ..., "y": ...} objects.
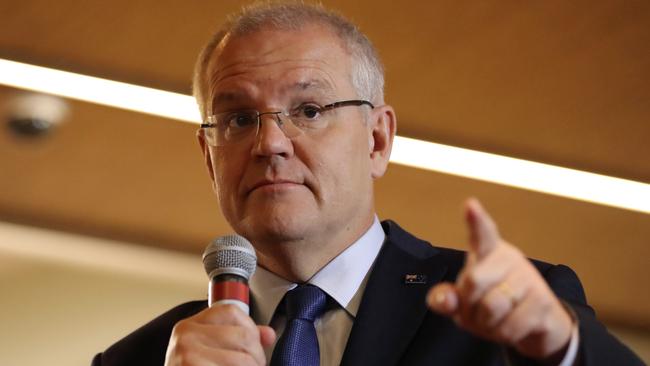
[
  {"x": 205, "y": 149},
  {"x": 382, "y": 128}
]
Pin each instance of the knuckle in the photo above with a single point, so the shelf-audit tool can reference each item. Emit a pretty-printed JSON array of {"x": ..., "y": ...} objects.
[
  {"x": 472, "y": 280},
  {"x": 247, "y": 336},
  {"x": 183, "y": 340},
  {"x": 181, "y": 349},
  {"x": 182, "y": 327},
  {"x": 230, "y": 310},
  {"x": 488, "y": 305},
  {"x": 183, "y": 344}
]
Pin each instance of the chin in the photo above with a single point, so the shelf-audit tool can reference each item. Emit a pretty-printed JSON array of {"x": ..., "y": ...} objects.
[{"x": 277, "y": 225}]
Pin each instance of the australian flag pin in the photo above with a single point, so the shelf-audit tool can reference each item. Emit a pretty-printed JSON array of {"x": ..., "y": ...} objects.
[{"x": 415, "y": 279}]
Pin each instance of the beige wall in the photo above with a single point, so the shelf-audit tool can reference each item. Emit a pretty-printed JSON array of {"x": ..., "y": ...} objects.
[{"x": 66, "y": 297}]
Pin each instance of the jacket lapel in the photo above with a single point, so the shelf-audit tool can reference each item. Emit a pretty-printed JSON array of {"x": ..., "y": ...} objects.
[{"x": 393, "y": 306}]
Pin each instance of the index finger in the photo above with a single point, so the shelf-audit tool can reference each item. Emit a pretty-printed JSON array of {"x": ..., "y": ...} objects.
[{"x": 483, "y": 232}]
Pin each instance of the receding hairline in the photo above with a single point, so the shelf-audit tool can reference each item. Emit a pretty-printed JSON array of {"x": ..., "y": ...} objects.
[
  {"x": 212, "y": 54},
  {"x": 255, "y": 18},
  {"x": 213, "y": 70}
]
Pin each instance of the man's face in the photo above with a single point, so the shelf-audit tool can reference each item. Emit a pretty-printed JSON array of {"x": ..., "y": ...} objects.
[{"x": 275, "y": 189}]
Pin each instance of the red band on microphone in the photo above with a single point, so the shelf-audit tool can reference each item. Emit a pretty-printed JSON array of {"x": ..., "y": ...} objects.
[{"x": 229, "y": 290}]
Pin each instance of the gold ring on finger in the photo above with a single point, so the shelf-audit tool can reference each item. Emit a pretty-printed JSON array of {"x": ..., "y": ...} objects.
[{"x": 506, "y": 290}]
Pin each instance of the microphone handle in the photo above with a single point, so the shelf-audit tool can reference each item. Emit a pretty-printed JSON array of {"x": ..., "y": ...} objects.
[{"x": 229, "y": 289}]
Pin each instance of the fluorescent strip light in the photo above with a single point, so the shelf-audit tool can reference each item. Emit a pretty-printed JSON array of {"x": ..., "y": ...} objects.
[
  {"x": 99, "y": 91},
  {"x": 492, "y": 168},
  {"x": 524, "y": 174}
]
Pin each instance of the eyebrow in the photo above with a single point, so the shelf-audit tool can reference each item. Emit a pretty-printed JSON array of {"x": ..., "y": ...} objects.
[
  {"x": 229, "y": 96},
  {"x": 311, "y": 85}
]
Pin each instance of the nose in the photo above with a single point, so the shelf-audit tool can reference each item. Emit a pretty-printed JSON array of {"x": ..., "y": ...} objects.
[{"x": 271, "y": 138}]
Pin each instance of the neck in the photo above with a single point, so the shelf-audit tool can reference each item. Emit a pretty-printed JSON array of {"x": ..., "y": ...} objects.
[{"x": 299, "y": 260}]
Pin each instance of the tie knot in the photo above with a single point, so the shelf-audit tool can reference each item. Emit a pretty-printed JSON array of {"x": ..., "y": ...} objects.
[{"x": 305, "y": 302}]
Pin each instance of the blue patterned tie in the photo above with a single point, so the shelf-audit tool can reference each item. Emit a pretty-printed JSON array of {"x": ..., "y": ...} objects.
[{"x": 298, "y": 345}]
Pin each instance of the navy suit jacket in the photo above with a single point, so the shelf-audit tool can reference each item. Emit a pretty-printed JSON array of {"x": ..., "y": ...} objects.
[{"x": 393, "y": 325}]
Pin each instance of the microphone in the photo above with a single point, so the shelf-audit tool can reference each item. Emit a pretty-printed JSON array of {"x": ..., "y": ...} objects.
[{"x": 229, "y": 262}]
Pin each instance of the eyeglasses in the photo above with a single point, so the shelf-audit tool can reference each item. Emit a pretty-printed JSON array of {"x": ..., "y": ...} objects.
[{"x": 229, "y": 128}]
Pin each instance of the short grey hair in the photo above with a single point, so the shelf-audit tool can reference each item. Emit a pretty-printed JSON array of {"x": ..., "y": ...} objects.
[{"x": 367, "y": 70}]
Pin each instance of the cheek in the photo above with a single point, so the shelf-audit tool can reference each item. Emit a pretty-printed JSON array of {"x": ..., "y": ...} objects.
[
  {"x": 228, "y": 173},
  {"x": 342, "y": 169}
]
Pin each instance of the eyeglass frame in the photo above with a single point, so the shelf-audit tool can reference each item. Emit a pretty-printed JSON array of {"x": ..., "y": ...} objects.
[{"x": 325, "y": 108}]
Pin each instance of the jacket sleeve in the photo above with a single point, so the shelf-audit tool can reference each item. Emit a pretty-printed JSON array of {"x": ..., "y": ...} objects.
[
  {"x": 597, "y": 345},
  {"x": 147, "y": 345},
  {"x": 97, "y": 360}
]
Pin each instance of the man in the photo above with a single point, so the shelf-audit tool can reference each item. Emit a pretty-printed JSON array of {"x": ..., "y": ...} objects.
[{"x": 296, "y": 132}]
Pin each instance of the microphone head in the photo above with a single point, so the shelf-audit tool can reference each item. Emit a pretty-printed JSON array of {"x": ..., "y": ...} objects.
[{"x": 230, "y": 254}]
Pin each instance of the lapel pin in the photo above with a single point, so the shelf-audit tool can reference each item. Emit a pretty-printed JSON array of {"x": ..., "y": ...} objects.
[{"x": 415, "y": 279}]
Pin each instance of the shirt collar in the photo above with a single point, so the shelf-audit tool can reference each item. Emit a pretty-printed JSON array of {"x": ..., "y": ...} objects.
[{"x": 341, "y": 278}]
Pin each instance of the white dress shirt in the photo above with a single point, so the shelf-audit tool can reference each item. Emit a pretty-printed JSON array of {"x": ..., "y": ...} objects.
[{"x": 344, "y": 280}]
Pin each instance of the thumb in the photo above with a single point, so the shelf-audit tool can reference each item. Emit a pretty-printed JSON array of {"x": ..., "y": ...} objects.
[
  {"x": 267, "y": 335},
  {"x": 443, "y": 299},
  {"x": 483, "y": 232}
]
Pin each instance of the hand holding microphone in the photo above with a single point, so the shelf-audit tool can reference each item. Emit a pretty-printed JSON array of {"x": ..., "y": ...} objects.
[{"x": 223, "y": 333}]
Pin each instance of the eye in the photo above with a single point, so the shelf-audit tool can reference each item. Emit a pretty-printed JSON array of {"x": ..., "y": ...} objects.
[
  {"x": 307, "y": 112},
  {"x": 240, "y": 119}
]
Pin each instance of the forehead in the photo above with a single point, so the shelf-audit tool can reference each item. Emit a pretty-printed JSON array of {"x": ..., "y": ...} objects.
[{"x": 280, "y": 61}]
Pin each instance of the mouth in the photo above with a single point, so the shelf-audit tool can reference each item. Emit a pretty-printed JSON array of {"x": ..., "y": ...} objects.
[{"x": 274, "y": 185}]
